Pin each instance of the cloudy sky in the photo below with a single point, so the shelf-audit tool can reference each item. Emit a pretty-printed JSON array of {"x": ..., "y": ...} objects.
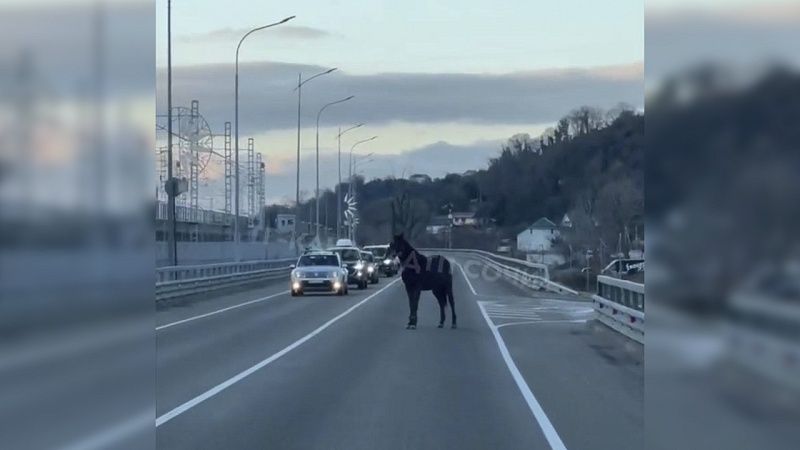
[{"x": 441, "y": 83}]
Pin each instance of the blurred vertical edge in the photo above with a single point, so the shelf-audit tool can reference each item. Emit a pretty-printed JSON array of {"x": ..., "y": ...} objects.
[
  {"x": 722, "y": 358},
  {"x": 77, "y": 344}
]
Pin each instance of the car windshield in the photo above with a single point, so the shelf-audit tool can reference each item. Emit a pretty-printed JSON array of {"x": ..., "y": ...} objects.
[
  {"x": 347, "y": 254},
  {"x": 317, "y": 260},
  {"x": 368, "y": 256},
  {"x": 379, "y": 252}
]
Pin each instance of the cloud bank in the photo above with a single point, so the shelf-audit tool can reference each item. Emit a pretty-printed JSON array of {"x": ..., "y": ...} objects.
[{"x": 267, "y": 100}]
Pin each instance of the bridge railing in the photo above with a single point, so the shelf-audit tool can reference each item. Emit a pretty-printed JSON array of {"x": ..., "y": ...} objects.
[
  {"x": 537, "y": 269},
  {"x": 620, "y": 305},
  {"x": 526, "y": 273},
  {"x": 178, "y": 281}
]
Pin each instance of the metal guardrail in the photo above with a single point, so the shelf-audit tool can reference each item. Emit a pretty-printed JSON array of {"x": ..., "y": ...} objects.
[
  {"x": 529, "y": 280},
  {"x": 532, "y": 275},
  {"x": 620, "y": 306},
  {"x": 178, "y": 281},
  {"x": 537, "y": 269},
  {"x": 175, "y": 273}
]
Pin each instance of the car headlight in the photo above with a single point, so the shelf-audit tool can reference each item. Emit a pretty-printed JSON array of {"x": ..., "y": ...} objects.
[
  {"x": 370, "y": 269},
  {"x": 358, "y": 273},
  {"x": 387, "y": 261}
]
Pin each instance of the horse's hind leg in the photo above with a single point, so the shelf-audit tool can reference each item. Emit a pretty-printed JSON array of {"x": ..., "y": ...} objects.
[
  {"x": 452, "y": 301},
  {"x": 441, "y": 298}
]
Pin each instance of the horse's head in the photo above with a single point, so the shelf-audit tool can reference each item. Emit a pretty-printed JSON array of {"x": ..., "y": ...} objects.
[{"x": 399, "y": 246}]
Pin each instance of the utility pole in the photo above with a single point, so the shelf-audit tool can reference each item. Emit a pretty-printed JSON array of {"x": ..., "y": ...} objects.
[
  {"x": 297, "y": 179},
  {"x": 172, "y": 188},
  {"x": 339, "y": 187}
]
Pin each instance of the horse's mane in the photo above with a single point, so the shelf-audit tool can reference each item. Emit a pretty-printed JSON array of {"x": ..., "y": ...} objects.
[{"x": 421, "y": 259}]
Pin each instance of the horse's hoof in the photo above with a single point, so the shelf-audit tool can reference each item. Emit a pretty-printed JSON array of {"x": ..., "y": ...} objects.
[
  {"x": 454, "y": 326},
  {"x": 441, "y": 325},
  {"x": 411, "y": 327}
]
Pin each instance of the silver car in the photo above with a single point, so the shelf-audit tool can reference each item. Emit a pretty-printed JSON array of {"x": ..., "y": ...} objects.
[{"x": 318, "y": 272}]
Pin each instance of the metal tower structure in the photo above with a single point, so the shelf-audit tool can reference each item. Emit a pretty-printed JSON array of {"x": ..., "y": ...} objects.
[
  {"x": 162, "y": 173},
  {"x": 228, "y": 155},
  {"x": 193, "y": 151},
  {"x": 179, "y": 115},
  {"x": 251, "y": 178},
  {"x": 260, "y": 178},
  {"x": 194, "y": 156}
]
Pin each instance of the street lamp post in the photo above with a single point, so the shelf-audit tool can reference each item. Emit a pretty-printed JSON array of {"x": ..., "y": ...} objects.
[
  {"x": 236, "y": 236},
  {"x": 299, "y": 89},
  {"x": 351, "y": 156},
  {"x": 316, "y": 190},
  {"x": 339, "y": 184},
  {"x": 360, "y": 160},
  {"x": 350, "y": 187}
]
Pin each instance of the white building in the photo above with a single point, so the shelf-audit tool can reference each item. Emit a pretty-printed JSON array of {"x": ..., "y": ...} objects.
[
  {"x": 284, "y": 223},
  {"x": 538, "y": 238},
  {"x": 566, "y": 222}
]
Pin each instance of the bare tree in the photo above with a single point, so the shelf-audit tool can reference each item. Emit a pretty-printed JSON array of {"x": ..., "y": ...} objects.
[
  {"x": 619, "y": 203},
  {"x": 584, "y": 120},
  {"x": 561, "y": 132},
  {"x": 407, "y": 215},
  {"x": 518, "y": 143}
]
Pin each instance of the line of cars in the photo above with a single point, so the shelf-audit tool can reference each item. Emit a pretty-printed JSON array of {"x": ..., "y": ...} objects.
[{"x": 335, "y": 269}]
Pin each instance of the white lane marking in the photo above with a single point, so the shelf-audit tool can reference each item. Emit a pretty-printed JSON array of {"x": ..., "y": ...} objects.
[
  {"x": 538, "y": 413},
  {"x": 509, "y": 317},
  {"x": 536, "y": 322},
  {"x": 471, "y": 287},
  {"x": 164, "y": 418},
  {"x": 172, "y": 324}
]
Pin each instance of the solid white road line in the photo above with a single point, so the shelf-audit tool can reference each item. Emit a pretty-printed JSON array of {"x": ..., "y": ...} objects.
[
  {"x": 469, "y": 283},
  {"x": 172, "y": 324},
  {"x": 538, "y": 413},
  {"x": 242, "y": 375},
  {"x": 536, "y": 322}
]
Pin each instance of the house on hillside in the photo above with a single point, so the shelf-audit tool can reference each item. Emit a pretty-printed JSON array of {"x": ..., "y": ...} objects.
[
  {"x": 438, "y": 224},
  {"x": 536, "y": 241},
  {"x": 465, "y": 219},
  {"x": 566, "y": 222},
  {"x": 420, "y": 178}
]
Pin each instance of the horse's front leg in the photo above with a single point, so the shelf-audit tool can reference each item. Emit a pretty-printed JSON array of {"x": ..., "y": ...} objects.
[{"x": 413, "y": 303}]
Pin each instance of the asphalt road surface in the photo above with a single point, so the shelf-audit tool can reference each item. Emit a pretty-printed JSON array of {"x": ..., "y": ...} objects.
[{"x": 263, "y": 370}]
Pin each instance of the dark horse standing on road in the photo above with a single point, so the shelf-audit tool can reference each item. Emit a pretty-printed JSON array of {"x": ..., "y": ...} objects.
[{"x": 423, "y": 273}]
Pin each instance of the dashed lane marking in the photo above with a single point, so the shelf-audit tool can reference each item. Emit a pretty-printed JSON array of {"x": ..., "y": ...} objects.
[
  {"x": 164, "y": 418},
  {"x": 208, "y": 314}
]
